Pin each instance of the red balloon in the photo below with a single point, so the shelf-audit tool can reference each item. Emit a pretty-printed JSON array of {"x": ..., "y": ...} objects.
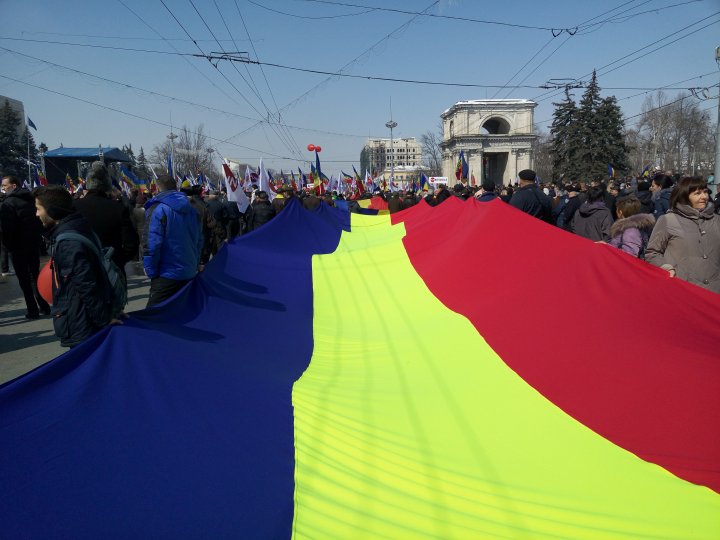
[
  {"x": 44, "y": 283},
  {"x": 311, "y": 147},
  {"x": 318, "y": 149}
]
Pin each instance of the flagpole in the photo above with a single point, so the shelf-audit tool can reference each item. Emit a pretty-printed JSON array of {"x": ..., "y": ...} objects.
[{"x": 27, "y": 132}]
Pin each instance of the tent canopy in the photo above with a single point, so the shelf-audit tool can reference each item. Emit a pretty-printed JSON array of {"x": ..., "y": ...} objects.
[
  {"x": 110, "y": 153},
  {"x": 64, "y": 161}
]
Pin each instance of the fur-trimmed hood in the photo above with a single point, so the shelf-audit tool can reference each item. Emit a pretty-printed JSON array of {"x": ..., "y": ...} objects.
[{"x": 638, "y": 221}]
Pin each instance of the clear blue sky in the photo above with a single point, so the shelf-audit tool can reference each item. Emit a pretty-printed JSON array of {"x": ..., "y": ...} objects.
[{"x": 339, "y": 113}]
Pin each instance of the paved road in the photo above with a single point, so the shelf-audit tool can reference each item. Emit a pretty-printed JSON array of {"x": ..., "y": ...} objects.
[{"x": 26, "y": 344}]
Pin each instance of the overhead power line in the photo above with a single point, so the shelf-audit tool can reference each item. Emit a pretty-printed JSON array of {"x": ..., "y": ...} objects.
[
  {"x": 372, "y": 47},
  {"x": 314, "y": 18},
  {"x": 187, "y": 60},
  {"x": 555, "y": 30},
  {"x": 448, "y": 17},
  {"x": 202, "y": 53},
  {"x": 125, "y": 38},
  {"x": 234, "y": 58},
  {"x": 164, "y": 124},
  {"x": 607, "y": 12},
  {"x": 552, "y": 94},
  {"x": 624, "y": 18},
  {"x": 282, "y": 136},
  {"x": 262, "y": 71},
  {"x": 132, "y": 115},
  {"x": 167, "y": 96}
]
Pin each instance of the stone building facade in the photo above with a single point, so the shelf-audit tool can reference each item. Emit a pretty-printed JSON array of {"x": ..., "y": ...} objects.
[
  {"x": 378, "y": 155},
  {"x": 19, "y": 109},
  {"x": 496, "y": 136}
]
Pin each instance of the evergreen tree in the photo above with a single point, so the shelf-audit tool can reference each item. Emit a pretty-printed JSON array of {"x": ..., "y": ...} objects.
[
  {"x": 563, "y": 130},
  {"x": 34, "y": 154},
  {"x": 610, "y": 135},
  {"x": 129, "y": 151},
  {"x": 588, "y": 137},
  {"x": 591, "y": 161},
  {"x": 142, "y": 170},
  {"x": 12, "y": 158}
]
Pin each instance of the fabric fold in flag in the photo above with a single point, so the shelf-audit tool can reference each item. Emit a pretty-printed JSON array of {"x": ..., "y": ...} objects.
[{"x": 323, "y": 377}]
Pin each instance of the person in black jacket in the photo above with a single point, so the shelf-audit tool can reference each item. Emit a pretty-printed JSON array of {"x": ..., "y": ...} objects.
[
  {"x": 21, "y": 235},
  {"x": 530, "y": 199},
  {"x": 486, "y": 193},
  {"x": 81, "y": 292},
  {"x": 234, "y": 218},
  {"x": 110, "y": 219},
  {"x": 195, "y": 199},
  {"x": 260, "y": 211},
  {"x": 218, "y": 218},
  {"x": 575, "y": 200},
  {"x": 644, "y": 195}
]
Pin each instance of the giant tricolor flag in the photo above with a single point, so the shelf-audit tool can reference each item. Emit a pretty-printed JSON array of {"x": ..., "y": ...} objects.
[{"x": 416, "y": 407}]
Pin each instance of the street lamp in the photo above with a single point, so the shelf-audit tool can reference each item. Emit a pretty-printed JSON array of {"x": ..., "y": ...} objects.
[
  {"x": 391, "y": 124},
  {"x": 172, "y": 138}
]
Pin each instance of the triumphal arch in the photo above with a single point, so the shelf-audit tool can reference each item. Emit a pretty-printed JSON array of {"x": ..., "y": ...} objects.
[{"x": 495, "y": 135}]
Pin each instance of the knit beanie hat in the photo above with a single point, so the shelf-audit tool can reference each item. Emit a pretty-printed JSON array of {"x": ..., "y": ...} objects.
[{"x": 99, "y": 178}]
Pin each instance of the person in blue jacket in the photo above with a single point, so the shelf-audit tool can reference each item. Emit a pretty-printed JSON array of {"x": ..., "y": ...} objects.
[
  {"x": 662, "y": 186},
  {"x": 172, "y": 241}
]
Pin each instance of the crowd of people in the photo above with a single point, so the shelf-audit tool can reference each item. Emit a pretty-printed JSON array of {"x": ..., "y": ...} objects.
[{"x": 668, "y": 220}]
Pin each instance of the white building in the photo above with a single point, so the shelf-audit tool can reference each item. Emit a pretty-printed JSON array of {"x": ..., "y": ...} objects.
[
  {"x": 379, "y": 155},
  {"x": 495, "y": 135}
]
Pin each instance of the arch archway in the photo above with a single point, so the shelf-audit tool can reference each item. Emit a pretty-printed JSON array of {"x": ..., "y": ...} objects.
[{"x": 495, "y": 125}]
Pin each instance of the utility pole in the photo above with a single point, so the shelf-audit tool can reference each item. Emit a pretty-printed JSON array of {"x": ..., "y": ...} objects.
[
  {"x": 172, "y": 138},
  {"x": 27, "y": 132},
  {"x": 391, "y": 124},
  {"x": 717, "y": 130}
]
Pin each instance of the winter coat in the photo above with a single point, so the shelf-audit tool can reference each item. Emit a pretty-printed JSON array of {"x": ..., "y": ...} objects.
[
  {"x": 688, "y": 241},
  {"x": 172, "y": 240},
  {"x": 631, "y": 234},
  {"x": 571, "y": 209},
  {"x": 592, "y": 221},
  {"x": 21, "y": 229},
  {"x": 647, "y": 205},
  {"x": 79, "y": 306},
  {"x": 395, "y": 204},
  {"x": 206, "y": 221},
  {"x": 110, "y": 219},
  {"x": 279, "y": 202},
  {"x": 218, "y": 213},
  {"x": 487, "y": 196},
  {"x": 558, "y": 211},
  {"x": 138, "y": 217},
  {"x": 234, "y": 217},
  {"x": 610, "y": 201},
  {"x": 662, "y": 202},
  {"x": 532, "y": 201},
  {"x": 260, "y": 213},
  {"x": 311, "y": 202}
]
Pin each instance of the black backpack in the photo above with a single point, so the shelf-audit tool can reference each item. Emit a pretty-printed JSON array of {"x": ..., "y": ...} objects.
[{"x": 116, "y": 279}]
